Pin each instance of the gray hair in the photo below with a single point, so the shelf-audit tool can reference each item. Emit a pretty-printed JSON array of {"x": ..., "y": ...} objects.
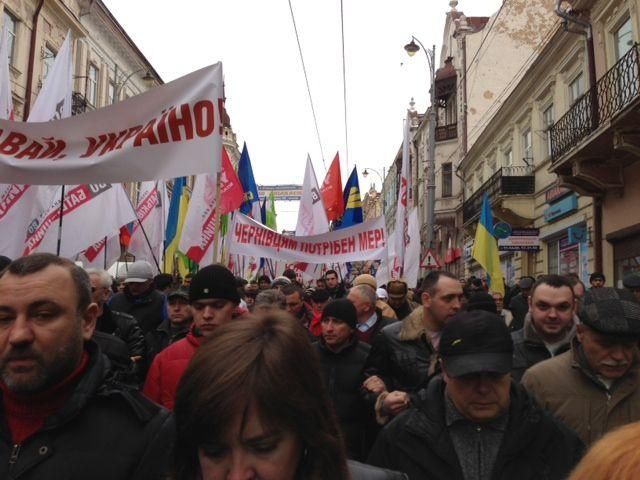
[
  {"x": 366, "y": 293},
  {"x": 103, "y": 275},
  {"x": 270, "y": 298}
]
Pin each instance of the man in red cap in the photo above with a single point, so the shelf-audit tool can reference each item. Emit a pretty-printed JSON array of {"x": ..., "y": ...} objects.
[{"x": 213, "y": 297}]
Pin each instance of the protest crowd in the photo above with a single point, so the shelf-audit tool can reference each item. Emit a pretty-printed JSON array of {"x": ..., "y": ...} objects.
[{"x": 217, "y": 377}]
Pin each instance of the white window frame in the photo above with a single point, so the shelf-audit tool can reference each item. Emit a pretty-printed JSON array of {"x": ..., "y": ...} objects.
[
  {"x": 12, "y": 33},
  {"x": 92, "y": 84}
]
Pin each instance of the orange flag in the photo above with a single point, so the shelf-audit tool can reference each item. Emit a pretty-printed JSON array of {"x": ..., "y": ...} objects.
[
  {"x": 232, "y": 194},
  {"x": 331, "y": 191}
]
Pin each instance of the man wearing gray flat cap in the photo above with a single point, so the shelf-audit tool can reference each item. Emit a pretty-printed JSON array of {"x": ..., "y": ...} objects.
[{"x": 595, "y": 387}]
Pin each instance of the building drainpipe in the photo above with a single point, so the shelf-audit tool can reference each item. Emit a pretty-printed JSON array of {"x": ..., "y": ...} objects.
[
  {"x": 586, "y": 29},
  {"x": 32, "y": 57}
]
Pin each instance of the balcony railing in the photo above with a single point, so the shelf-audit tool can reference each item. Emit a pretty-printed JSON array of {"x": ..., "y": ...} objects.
[
  {"x": 615, "y": 90},
  {"x": 506, "y": 181},
  {"x": 446, "y": 132},
  {"x": 79, "y": 104}
]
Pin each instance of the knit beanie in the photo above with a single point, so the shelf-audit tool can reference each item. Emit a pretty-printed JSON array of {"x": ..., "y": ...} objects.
[
  {"x": 213, "y": 281},
  {"x": 482, "y": 301},
  {"x": 342, "y": 309}
]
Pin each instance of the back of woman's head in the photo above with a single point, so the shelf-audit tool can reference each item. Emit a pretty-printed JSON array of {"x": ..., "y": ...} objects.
[
  {"x": 615, "y": 456},
  {"x": 264, "y": 363}
]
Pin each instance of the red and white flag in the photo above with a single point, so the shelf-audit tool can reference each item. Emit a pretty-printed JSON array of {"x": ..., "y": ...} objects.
[
  {"x": 331, "y": 191},
  {"x": 400, "y": 232},
  {"x": 411, "y": 270},
  {"x": 147, "y": 242},
  {"x": 200, "y": 225},
  {"x": 102, "y": 254}
]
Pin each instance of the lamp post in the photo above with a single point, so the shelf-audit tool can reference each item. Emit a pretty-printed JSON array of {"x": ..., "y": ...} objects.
[
  {"x": 365, "y": 173},
  {"x": 411, "y": 48},
  {"x": 119, "y": 86}
]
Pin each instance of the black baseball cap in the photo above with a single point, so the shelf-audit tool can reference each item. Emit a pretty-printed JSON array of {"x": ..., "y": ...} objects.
[
  {"x": 179, "y": 293},
  {"x": 476, "y": 342}
]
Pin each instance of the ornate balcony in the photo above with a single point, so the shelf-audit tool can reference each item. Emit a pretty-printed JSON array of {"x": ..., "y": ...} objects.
[
  {"x": 506, "y": 182},
  {"x": 614, "y": 93},
  {"x": 79, "y": 104},
  {"x": 446, "y": 132}
]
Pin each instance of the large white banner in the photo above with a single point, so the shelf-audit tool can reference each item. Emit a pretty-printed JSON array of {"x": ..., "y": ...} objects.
[
  {"x": 170, "y": 131},
  {"x": 365, "y": 241}
]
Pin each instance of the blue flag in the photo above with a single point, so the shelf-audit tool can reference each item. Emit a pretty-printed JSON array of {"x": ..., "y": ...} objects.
[
  {"x": 248, "y": 182},
  {"x": 352, "y": 202}
]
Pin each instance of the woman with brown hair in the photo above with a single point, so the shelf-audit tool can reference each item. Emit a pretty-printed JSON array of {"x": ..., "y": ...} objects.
[{"x": 252, "y": 405}]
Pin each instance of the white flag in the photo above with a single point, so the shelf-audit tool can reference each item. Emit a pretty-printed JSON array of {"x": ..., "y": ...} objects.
[
  {"x": 412, "y": 252},
  {"x": 199, "y": 227},
  {"x": 82, "y": 225},
  {"x": 151, "y": 212},
  {"x": 400, "y": 232},
  {"x": 102, "y": 254},
  {"x": 312, "y": 218}
]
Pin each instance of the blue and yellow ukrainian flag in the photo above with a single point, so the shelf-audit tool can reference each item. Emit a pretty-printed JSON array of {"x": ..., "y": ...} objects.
[
  {"x": 174, "y": 259},
  {"x": 352, "y": 202},
  {"x": 485, "y": 248}
]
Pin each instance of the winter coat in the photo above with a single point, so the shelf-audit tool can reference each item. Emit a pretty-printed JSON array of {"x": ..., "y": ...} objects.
[
  {"x": 535, "y": 446},
  {"x": 149, "y": 309},
  {"x": 167, "y": 370},
  {"x": 160, "y": 338},
  {"x": 381, "y": 322},
  {"x": 105, "y": 431},
  {"x": 529, "y": 348},
  {"x": 361, "y": 471},
  {"x": 343, "y": 374},
  {"x": 519, "y": 307},
  {"x": 402, "y": 355},
  {"x": 386, "y": 310},
  {"x": 566, "y": 386},
  {"x": 125, "y": 327},
  {"x": 404, "y": 310}
]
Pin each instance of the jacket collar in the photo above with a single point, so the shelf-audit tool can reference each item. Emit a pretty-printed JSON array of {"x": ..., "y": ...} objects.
[
  {"x": 531, "y": 334},
  {"x": 412, "y": 326}
]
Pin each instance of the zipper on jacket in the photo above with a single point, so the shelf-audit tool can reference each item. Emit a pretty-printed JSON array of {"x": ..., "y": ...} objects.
[{"x": 13, "y": 456}]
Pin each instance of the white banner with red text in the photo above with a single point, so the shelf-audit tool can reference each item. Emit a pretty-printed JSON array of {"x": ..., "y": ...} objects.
[
  {"x": 169, "y": 131},
  {"x": 365, "y": 241}
]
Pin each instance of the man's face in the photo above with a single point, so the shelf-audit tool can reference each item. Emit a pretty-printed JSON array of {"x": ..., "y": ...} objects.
[
  {"x": 210, "y": 313},
  {"x": 636, "y": 293},
  {"x": 608, "y": 355},
  {"x": 479, "y": 397},
  {"x": 578, "y": 293},
  {"x": 41, "y": 331},
  {"x": 294, "y": 303},
  {"x": 444, "y": 302},
  {"x": 396, "y": 301},
  {"x": 552, "y": 311},
  {"x": 597, "y": 283},
  {"x": 319, "y": 306},
  {"x": 321, "y": 284},
  {"x": 498, "y": 298},
  {"x": 99, "y": 293},
  {"x": 331, "y": 280},
  {"x": 364, "y": 309},
  {"x": 187, "y": 281},
  {"x": 137, "y": 289},
  {"x": 179, "y": 310},
  {"x": 335, "y": 332},
  {"x": 264, "y": 284}
]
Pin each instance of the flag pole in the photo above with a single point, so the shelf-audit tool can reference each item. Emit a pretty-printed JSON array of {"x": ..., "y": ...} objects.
[
  {"x": 59, "y": 244},
  {"x": 105, "y": 253},
  {"x": 146, "y": 238},
  {"x": 216, "y": 216}
]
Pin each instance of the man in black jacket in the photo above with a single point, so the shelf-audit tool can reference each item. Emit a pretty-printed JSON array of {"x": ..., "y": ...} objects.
[
  {"x": 474, "y": 422},
  {"x": 62, "y": 414},
  {"x": 174, "y": 328}
]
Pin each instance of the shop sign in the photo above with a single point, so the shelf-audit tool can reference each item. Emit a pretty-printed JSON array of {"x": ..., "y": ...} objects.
[
  {"x": 521, "y": 239},
  {"x": 502, "y": 230},
  {"x": 561, "y": 208},
  {"x": 468, "y": 251},
  {"x": 556, "y": 193}
]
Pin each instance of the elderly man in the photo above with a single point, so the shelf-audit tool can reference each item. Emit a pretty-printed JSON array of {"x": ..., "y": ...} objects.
[
  {"x": 370, "y": 318},
  {"x": 140, "y": 299},
  {"x": 549, "y": 326},
  {"x": 402, "y": 356},
  {"x": 474, "y": 422},
  {"x": 594, "y": 387},
  {"x": 398, "y": 301},
  {"x": 213, "y": 297},
  {"x": 632, "y": 283},
  {"x": 370, "y": 281},
  {"x": 63, "y": 416}
]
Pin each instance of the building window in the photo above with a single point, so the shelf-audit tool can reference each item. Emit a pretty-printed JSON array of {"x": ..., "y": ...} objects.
[
  {"x": 48, "y": 57},
  {"x": 111, "y": 91},
  {"x": 508, "y": 158},
  {"x": 623, "y": 38},
  {"x": 447, "y": 180},
  {"x": 527, "y": 147},
  {"x": 547, "y": 121},
  {"x": 92, "y": 84},
  {"x": 480, "y": 176},
  {"x": 576, "y": 89},
  {"x": 11, "y": 24},
  {"x": 564, "y": 258}
]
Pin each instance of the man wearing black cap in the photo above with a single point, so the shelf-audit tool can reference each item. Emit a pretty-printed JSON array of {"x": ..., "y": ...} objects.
[
  {"x": 342, "y": 358},
  {"x": 632, "y": 283},
  {"x": 597, "y": 280},
  {"x": 214, "y": 297},
  {"x": 474, "y": 422},
  {"x": 595, "y": 387}
]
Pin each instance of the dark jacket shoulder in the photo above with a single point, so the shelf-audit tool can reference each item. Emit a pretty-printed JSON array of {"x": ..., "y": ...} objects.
[{"x": 362, "y": 471}]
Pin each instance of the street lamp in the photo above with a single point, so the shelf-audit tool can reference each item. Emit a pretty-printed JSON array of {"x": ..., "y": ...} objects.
[
  {"x": 147, "y": 78},
  {"x": 411, "y": 48},
  {"x": 366, "y": 171}
]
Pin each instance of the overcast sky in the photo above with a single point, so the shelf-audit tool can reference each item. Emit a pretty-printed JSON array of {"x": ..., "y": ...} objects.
[{"x": 265, "y": 87}]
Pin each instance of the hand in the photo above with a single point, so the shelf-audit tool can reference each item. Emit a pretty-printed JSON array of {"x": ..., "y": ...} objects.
[
  {"x": 136, "y": 359},
  {"x": 396, "y": 402},
  {"x": 375, "y": 385}
]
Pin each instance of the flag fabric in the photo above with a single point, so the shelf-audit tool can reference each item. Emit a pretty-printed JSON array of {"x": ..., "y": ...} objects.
[
  {"x": 331, "y": 191},
  {"x": 173, "y": 262},
  {"x": 411, "y": 269},
  {"x": 231, "y": 195},
  {"x": 485, "y": 248},
  {"x": 400, "y": 233},
  {"x": 147, "y": 238},
  {"x": 270, "y": 212},
  {"x": 102, "y": 254},
  {"x": 312, "y": 217},
  {"x": 353, "y": 204},
  {"x": 248, "y": 182}
]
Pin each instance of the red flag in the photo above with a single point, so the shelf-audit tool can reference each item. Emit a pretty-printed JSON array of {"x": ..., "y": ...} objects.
[
  {"x": 331, "y": 191},
  {"x": 125, "y": 236},
  {"x": 232, "y": 193}
]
